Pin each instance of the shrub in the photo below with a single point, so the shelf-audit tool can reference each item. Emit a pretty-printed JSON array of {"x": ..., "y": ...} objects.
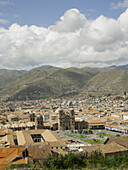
[
  {"x": 117, "y": 135},
  {"x": 90, "y": 132},
  {"x": 80, "y": 131}
]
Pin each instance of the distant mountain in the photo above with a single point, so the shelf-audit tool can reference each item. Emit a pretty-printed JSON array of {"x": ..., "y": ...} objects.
[
  {"x": 114, "y": 82},
  {"x": 122, "y": 67},
  {"x": 11, "y": 73},
  {"x": 47, "y": 68},
  {"x": 84, "y": 70},
  {"x": 45, "y": 81},
  {"x": 8, "y": 78},
  {"x": 48, "y": 81}
]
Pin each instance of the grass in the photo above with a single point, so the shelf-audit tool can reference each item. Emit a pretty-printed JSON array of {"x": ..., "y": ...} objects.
[
  {"x": 93, "y": 141},
  {"x": 76, "y": 135},
  {"x": 21, "y": 166},
  {"x": 105, "y": 134},
  {"x": 83, "y": 138}
]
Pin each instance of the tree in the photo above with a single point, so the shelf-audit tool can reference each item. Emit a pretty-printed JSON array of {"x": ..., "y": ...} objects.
[
  {"x": 125, "y": 93},
  {"x": 80, "y": 131}
]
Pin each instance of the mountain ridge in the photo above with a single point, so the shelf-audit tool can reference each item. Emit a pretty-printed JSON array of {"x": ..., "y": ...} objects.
[{"x": 49, "y": 81}]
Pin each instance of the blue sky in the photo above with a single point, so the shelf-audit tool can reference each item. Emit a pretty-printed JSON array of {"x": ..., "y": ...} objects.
[
  {"x": 63, "y": 33},
  {"x": 47, "y": 12}
]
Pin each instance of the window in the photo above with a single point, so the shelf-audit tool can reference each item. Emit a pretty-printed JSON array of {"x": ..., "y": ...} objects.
[
  {"x": 44, "y": 152},
  {"x": 32, "y": 119},
  {"x": 40, "y": 146},
  {"x": 15, "y": 140},
  {"x": 37, "y": 138}
]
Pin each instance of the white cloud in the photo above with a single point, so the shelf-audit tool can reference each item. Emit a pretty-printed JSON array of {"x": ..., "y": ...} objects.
[
  {"x": 72, "y": 20},
  {"x": 123, "y": 21},
  {"x": 120, "y": 5},
  {"x": 92, "y": 10},
  {"x": 72, "y": 41},
  {"x": 3, "y": 21},
  {"x": 4, "y": 3}
]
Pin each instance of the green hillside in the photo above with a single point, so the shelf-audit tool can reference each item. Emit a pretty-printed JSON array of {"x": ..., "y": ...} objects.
[
  {"x": 113, "y": 67},
  {"x": 49, "y": 81},
  {"x": 10, "y": 73},
  {"x": 46, "y": 81},
  {"x": 114, "y": 82}
]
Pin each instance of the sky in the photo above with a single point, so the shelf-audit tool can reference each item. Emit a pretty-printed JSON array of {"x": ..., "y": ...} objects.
[{"x": 63, "y": 33}]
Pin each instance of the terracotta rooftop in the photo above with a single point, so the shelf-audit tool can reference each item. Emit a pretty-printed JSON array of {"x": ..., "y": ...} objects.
[
  {"x": 110, "y": 148},
  {"x": 8, "y": 155},
  {"x": 123, "y": 141}
]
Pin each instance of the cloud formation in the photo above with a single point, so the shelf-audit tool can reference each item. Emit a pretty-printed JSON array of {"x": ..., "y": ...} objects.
[
  {"x": 4, "y": 2},
  {"x": 72, "y": 21},
  {"x": 72, "y": 41},
  {"x": 3, "y": 21},
  {"x": 120, "y": 5}
]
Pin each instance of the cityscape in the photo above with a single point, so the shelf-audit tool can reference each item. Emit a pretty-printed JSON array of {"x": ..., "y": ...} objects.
[
  {"x": 63, "y": 84},
  {"x": 63, "y": 125}
]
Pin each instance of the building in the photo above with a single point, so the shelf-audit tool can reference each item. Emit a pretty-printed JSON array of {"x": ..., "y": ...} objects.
[
  {"x": 66, "y": 120},
  {"x": 96, "y": 123},
  {"x": 109, "y": 149},
  {"x": 81, "y": 124},
  {"x": 26, "y": 138},
  {"x": 38, "y": 119},
  {"x": 118, "y": 126},
  {"x": 12, "y": 156}
]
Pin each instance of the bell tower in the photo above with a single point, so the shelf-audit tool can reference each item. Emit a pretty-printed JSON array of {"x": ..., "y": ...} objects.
[
  {"x": 72, "y": 119},
  {"x": 60, "y": 119},
  {"x": 32, "y": 117},
  {"x": 38, "y": 122}
]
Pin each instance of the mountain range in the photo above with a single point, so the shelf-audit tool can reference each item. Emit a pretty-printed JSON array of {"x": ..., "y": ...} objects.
[{"x": 48, "y": 81}]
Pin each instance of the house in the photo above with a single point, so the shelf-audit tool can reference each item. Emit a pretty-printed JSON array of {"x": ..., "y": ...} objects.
[
  {"x": 96, "y": 123},
  {"x": 39, "y": 151},
  {"x": 125, "y": 116},
  {"x": 12, "y": 118},
  {"x": 12, "y": 156},
  {"x": 117, "y": 126},
  {"x": 123, "y": 141},
  {"x": 31, "y": 137},
  {"x": 81, "y": 124},
  {"x": 109, "y": 149}
]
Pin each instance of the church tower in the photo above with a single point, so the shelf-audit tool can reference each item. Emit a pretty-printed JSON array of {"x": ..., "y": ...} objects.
[
  {"x": 60, "y": 119},
  {"x": 38, "y": 122},
  {"x": 32, "y": 117},
  {"x": 72, "y": 119}
]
